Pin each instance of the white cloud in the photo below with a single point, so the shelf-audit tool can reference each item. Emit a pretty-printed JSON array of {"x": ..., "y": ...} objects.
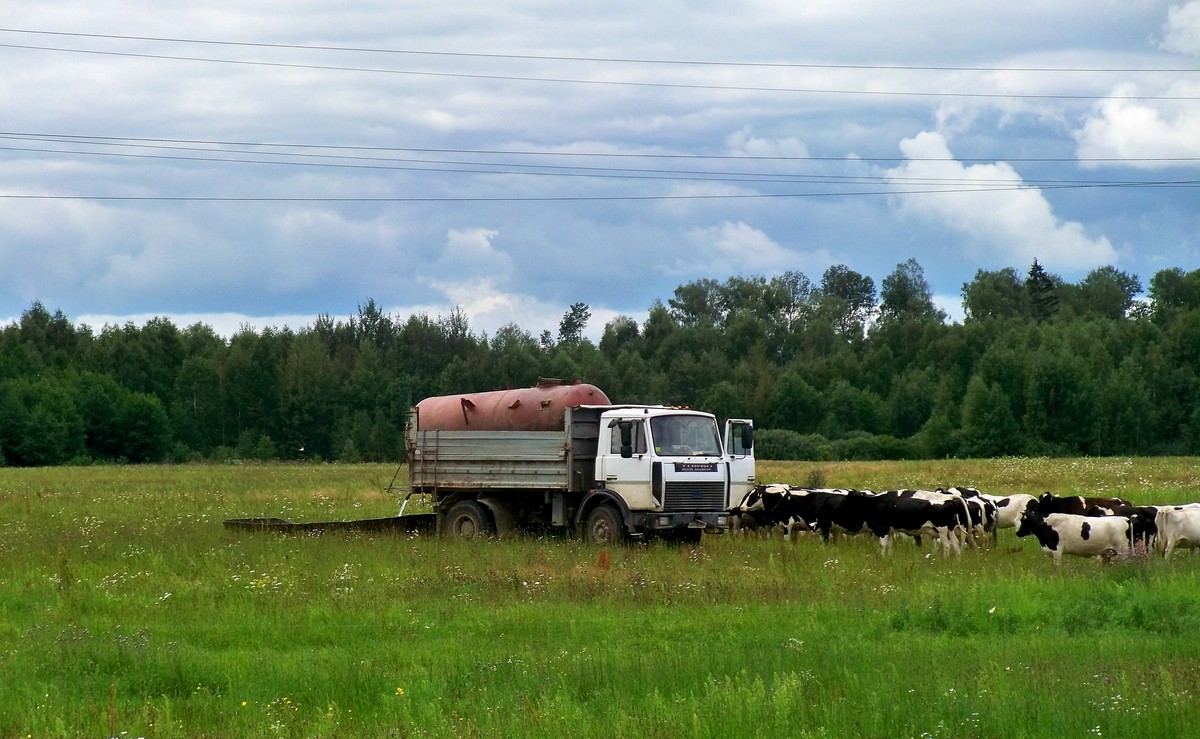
[
  {"x": 1011, "y": 224},
  {"x": 489, "y": 306},
  {"x": 1119, "y": 127},
  {"x": 469, "y": 254},
  {"x": 745, "y": 143},
  {"x": 952, "y": 305},
  {"x": 1133, "y": 129},
  {"x": 474, "y": 277},
  {"x": 223, "y": 324},
  {"x": 357, "y": 135},
  {"x": 728, "y": 249},
  {"x": 1182, "y": 31}
]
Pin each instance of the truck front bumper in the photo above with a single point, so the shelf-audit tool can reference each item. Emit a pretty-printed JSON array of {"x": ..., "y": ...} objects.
[{"x": 711, "y": 522}]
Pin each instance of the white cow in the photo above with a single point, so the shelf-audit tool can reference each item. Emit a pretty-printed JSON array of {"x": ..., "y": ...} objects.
[
  {"x": 1009, "y": 508},
  {"x": 1084, "y": 536},
  {"x": 1178, "y": 526}
]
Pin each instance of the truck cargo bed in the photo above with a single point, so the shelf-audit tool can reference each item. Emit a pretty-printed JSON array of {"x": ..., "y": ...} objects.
[{"x": 489, "y": 460}]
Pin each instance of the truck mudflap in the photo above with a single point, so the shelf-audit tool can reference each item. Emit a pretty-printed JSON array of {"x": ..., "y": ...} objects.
[{"x": 710, "y": 522}]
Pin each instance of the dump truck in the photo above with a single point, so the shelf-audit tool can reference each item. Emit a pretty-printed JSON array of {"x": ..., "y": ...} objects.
[{"x": 560, "y": 456}]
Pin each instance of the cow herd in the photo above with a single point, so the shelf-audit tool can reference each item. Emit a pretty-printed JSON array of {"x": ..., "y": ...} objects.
[{"x": 959, "y": 517}]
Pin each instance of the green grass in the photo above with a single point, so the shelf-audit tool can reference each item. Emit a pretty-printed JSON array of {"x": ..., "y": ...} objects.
[{"x": 126, "y": 609}]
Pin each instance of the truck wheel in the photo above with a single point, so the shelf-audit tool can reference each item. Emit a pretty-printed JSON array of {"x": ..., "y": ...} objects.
[
  {"x": 603, "y": 527},
  {"x": 467, "y": 520}
]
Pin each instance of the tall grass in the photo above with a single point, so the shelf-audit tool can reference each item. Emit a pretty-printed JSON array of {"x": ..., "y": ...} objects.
[{"x": 126, "y": 609}]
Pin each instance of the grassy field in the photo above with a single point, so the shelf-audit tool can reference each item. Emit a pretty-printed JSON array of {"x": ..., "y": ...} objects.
[{"x": 126, "y": 609}]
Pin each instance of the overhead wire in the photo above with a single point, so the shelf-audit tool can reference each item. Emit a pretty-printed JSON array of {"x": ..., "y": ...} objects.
[
  {"x": 544, "y": 170},
  {"x": 848, "y": 183},
  {"x": 592, "y": 59},
  {"x": 496, "y": 77},
  {"x": 146, "y": 142},
  {"x": 367, "y": 157}
]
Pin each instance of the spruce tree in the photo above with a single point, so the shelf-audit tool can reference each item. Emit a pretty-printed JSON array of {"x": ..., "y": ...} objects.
[{"x": 1042, "y": 293}]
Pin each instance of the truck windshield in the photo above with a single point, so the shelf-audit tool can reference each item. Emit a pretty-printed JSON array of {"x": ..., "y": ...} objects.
[{"x": 685, "y": 436}]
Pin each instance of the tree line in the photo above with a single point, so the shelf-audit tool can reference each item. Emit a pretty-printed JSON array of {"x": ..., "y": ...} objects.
[{"x": 835, "y": 369}]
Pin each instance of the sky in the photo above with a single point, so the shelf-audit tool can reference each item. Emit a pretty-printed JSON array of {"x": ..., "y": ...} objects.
[{"x": 261, "y": 163}]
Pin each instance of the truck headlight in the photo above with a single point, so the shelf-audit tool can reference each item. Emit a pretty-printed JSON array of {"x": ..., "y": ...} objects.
[{"x": 664, "y": 521}]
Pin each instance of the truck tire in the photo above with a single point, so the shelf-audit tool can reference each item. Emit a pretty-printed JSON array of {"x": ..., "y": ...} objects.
[
  {"x": 604, "y": 527},
  {"x": 467, "y": 520}
]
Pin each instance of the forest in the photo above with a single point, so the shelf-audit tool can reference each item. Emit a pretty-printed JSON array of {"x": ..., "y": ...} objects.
[{"x": 835, "y": 369}]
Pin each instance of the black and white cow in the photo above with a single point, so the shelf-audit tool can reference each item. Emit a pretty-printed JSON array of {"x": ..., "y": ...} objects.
[
  {"x": 761, "y": 509},
  {"x": 966, "y": 534},
  {"x": 1067, "y": 533},
  {"x": 847, "y": 511},
  {"x": 982, "y": 510},
  {"x": 1009, "y": 508},
  {"x": 1143, "y": 518},
  {"x": 894, "y": 512},
  {"x": 768, "y": 507},
  {"x": 1075, "y": 504}
]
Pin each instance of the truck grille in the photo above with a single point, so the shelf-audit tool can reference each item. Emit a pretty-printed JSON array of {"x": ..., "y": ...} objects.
[{"x": 694, "y": 496}]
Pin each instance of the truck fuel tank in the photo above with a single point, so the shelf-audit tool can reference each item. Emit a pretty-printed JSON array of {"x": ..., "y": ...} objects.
[{"x": 538, "y": 408}]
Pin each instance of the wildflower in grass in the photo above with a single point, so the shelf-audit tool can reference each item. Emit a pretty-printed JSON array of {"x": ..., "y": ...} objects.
[{"x": 399, "y": 691}]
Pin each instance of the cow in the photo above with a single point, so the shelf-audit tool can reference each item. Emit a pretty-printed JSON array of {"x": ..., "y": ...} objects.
[
  {"x": 894, "y": 512},
  {"x": 1074, "y": 504},
  {"x": 967, "y": 533},
  {"x": 846, "y": 511},
  {"x": 762, "y": 508},
  {"x": 1179, "y": 526},
  {"x": 794, "y": 509},
  {"x": 1009, "y": 508},
  {"x": 982, "y": 510},
  {"x": 1145, "y": 528},
  {"x": 1067, "y": 533}
]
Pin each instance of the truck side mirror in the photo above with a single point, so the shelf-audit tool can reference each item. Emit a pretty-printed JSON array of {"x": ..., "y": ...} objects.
[
  {"x": 747, "y": 436},
  {"x": 626, "y": 428}
]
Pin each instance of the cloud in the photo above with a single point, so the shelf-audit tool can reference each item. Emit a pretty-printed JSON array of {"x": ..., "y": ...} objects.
[
  {"x": 416, "y": 187},
  {"x": 489, "y": 307},
  {"x": 1011, "y": 224},
  {"x": 476, "y": 278},
  {"x": 727, "y": 249},
  {"x": 1119, "y": 127},
  {"x": 1181, "y": 33},
  {"x": 225, "y": 325},
  {"x": 952, "y": 305},
  {"x": 744, "y": 143},
  {"x": 1133, "y": 129},
  {"x": 469, "y": 253}
]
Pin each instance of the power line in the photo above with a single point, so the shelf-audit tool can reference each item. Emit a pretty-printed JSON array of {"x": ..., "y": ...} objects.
[
  {"x": 576, "y": 198},
  {"x": 603, "y": 60},
  {"x": 579, "y": 171},
  {"x": 609, "y": 83},
  {"x": 184, "y": 144},
  {"x": 290, "y": 156}
]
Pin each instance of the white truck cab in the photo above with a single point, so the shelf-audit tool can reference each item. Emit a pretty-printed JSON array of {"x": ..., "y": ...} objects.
[{"x": 670, "y": 467}]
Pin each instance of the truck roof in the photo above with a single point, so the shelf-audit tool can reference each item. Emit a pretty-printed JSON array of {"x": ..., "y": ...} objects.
[{"x": 650, "y": 409}]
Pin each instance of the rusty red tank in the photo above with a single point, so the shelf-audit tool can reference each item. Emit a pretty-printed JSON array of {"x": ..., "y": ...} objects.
[{"x": 538, "y": 408}]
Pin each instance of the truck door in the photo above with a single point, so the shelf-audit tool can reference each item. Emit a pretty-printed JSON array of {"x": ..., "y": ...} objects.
[
  {"x": 739, "y": 447},
  {"x": 629, "y": 477}
]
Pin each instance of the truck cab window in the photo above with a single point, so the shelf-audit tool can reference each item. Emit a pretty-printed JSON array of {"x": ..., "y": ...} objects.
[
  {"x": 736, "y": 443},
  {"x": 685, "y": 436}
]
